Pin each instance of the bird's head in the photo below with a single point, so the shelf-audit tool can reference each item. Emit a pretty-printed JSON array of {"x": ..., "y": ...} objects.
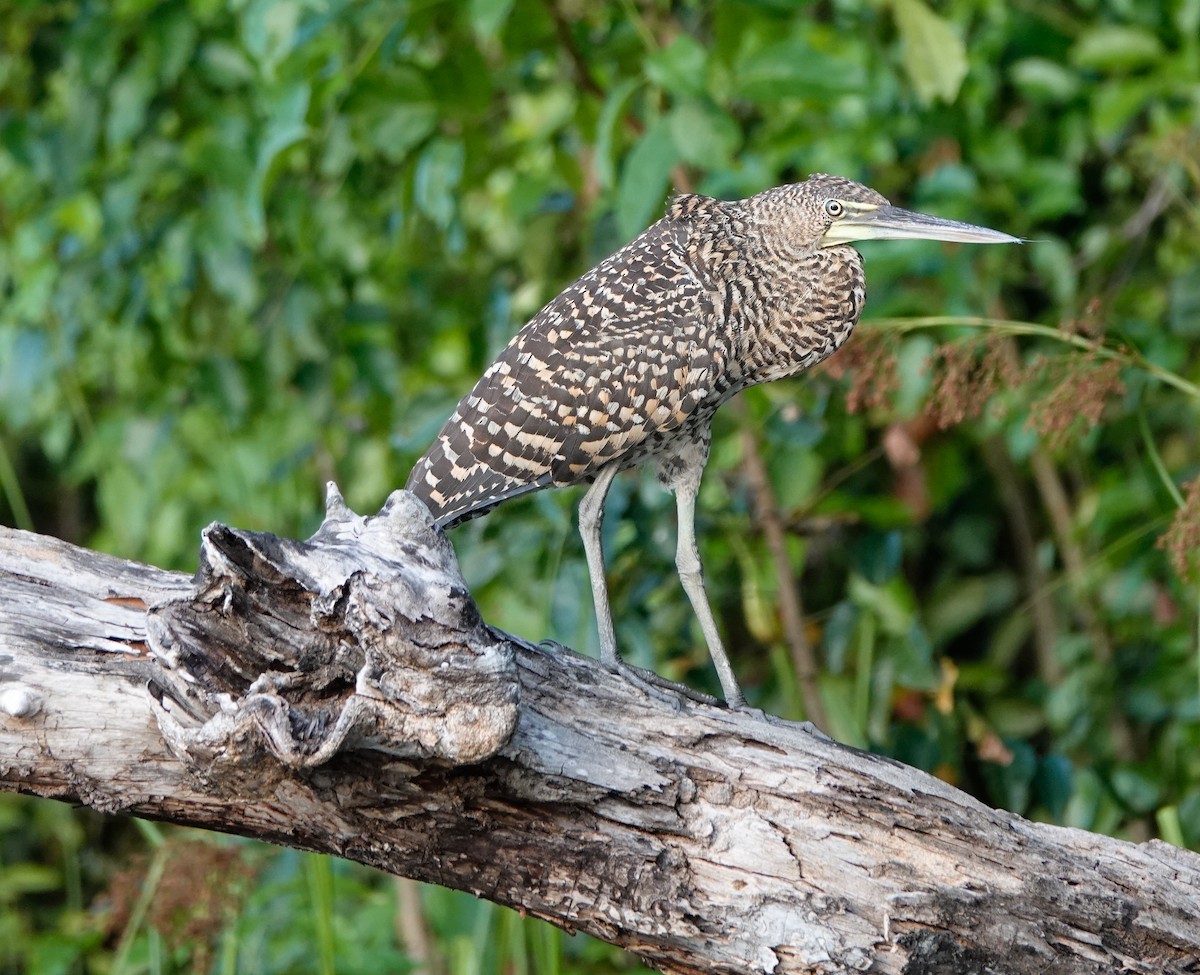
[{"x": 828, "y": 211}]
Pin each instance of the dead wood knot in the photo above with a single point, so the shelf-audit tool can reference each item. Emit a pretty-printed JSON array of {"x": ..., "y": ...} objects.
[{"x": 363, "y": 637}]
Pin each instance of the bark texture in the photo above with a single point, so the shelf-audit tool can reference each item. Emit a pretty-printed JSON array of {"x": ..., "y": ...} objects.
[{"x": 342, "y": 695}]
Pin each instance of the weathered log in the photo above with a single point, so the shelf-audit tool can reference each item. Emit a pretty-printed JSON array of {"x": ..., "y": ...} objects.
[{"x": 342, "y": 695}]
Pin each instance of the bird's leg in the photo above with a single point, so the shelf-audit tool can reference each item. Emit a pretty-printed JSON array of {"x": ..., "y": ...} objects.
[
  {"x": 687, "y": 561},
  {"x": 591, "y": 517}
]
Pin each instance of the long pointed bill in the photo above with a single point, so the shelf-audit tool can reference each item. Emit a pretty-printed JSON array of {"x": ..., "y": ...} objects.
[{"x": 892, "y": 223}]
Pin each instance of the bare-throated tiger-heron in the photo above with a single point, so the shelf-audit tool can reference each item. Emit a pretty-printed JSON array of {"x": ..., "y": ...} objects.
[{"x": 630, "y": 362}]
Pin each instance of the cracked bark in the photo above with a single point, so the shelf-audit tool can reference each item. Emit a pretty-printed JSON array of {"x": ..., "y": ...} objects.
[{"x": 342, "y": 695}]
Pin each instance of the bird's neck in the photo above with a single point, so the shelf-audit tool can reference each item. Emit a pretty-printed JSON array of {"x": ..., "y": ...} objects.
[
  {"x": 778, "y": 308},
  {"x": 786, "y": 311}
]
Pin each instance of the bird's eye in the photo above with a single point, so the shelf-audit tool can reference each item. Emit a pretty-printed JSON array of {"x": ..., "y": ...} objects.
[{"x": 834, "y": 208}]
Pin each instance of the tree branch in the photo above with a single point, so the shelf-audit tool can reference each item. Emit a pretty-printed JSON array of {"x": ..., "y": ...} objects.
[{"x": 342, "y": 695}]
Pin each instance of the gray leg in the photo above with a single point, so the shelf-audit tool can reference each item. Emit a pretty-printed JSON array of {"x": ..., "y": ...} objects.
[
  {"x": 687, "y": 561},
  {"x": 591, "y": 517}
]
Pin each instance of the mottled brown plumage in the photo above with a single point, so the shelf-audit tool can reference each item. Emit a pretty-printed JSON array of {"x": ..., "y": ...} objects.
[{"x": 632, "y": 360}]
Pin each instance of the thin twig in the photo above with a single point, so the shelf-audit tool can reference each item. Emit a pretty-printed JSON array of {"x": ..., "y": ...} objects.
[
  {"x": 1041, "y": 607},
  {"x": 1058, "y": 507},
  {"x": 1127, "y": 356},
  {"x": 583, "y": 73},
  {"x": 412, "y": 929},
  {"x": 1158, "y": 198},
  {"x": 791, "y": 610}
]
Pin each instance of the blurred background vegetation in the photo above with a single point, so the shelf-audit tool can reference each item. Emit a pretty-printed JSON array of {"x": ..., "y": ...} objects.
[{"x": 247, "y": 246}]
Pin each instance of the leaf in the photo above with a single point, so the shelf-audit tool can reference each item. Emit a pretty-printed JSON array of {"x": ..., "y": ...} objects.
[
  {"x": 1115, "y": 103},
  {"x": 704, "y": 135},
  {"x": 1136, "y": 788},
  {"x": 679, "y": 67},
  {"x": 128, "y": 98},
  {"x": 839, "y": 631},
  {"x": 1113, "y": 48},
  {"x": 1052, "y": 189},
  {"x": 611, "y": 117},
  {"x": 402, "y": 127},
  {"x": 1012, "y": 783},
  {"x": 24, "y": 878},
  {"x": 963, "y": 602},
  {"x": 913, "y": 657},
  {"x": 25, "y": 366},
  {"x": 1054, "y": 783},
  {"x": 224, "y": 65},
  {"x": 285, "y": 127},
  {"x": 935, "y": 58},
  {"x": 793, "y": 68},
  {"x": 437, "y": 178},
  {"x": 877, "y": 556},
  {"x": 535, "y": 117},
  {"x": 892, "y": 603},
  {"x": 645, "y": 178},
  {"x": 1170, "y": 829},
  {"x": 1183, "y": 314},
  {"x": 757, "y": 592},
  {"x": 269, "y": 30},
  {"x": 80, "y": 215},
  {"x": 1189, "y": 815},
  {"x": 1044, "y": 79},
  {"x": 488, "y": 16},
  {"x": 1187, "y": 18},
  {"x": 176, "y": 36},
  {"x": 797, "y": 475},
  {"x": 1056, "y": 269}
]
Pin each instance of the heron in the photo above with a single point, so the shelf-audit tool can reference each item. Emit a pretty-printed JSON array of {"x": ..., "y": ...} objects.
[{"x": 630, "y": 362}]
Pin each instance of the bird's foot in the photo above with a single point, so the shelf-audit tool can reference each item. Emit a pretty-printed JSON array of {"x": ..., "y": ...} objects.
[
  {"x": 553, "y": 646},
  {"x": 660, "y": 688},
  {"x": 520, "y": 641},
  {"x": 655, "y": 685},
  {"x": 813, "y": 730},
  {"x": 806, "y": 726}
]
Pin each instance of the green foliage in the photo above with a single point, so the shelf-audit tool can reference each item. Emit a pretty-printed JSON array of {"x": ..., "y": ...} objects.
[{"x": 247, "y": 247}]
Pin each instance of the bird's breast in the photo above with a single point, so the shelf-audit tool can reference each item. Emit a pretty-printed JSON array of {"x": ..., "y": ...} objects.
[{"x": 798, "y": 316}]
